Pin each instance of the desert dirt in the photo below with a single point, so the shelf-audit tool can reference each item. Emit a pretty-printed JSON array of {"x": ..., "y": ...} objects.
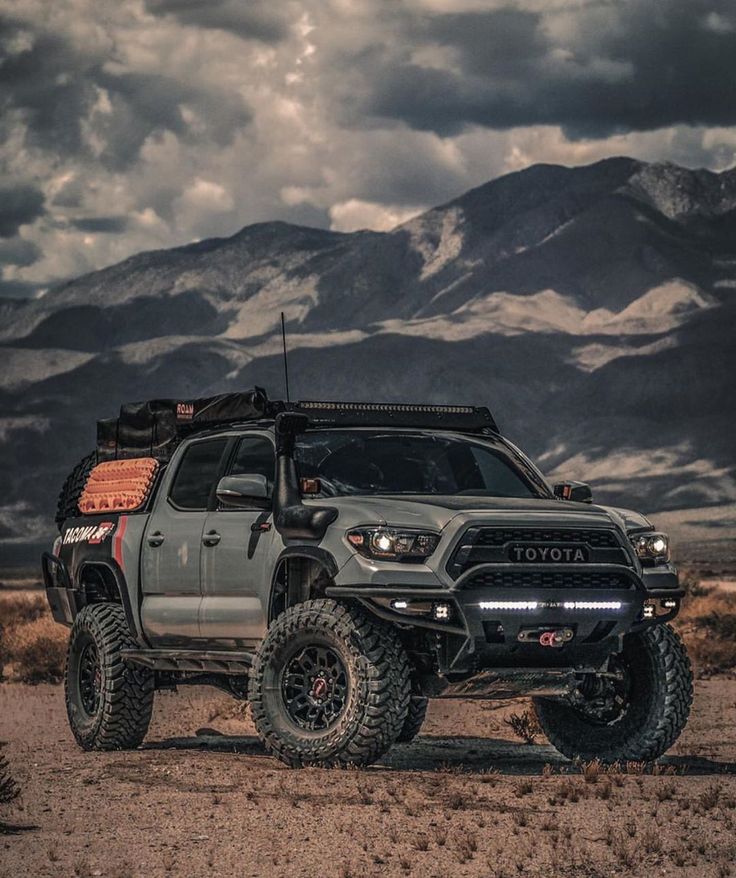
[{"x": 202, "y": 797}]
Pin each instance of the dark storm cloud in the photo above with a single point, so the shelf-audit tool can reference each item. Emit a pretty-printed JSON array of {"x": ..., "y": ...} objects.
[
  {"x": 18, "y": 251},
  {"x": 609, "y": 68},
  {"x": 17, "y": 289},
  {"x": 20, "y": 204},
  {"x": 101, "y": 224},
  {"x": 56, "y": 86},
  {"x": 49, "y": 82},
  {"x": 250, "y": 20},
  {"x": 146, "y": 103}
]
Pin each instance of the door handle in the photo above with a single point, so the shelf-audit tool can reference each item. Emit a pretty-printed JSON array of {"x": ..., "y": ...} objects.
[
  {"x": 211, "y": 538},
  {"x": 156, "y": 539}
]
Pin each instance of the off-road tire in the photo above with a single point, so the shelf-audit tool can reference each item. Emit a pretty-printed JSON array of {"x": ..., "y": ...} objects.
[
  {"x": 377, "y": 671},
  {"x": 68, "y": 503},
  {"x": 121, "y": 718},
  {"x": 414, "y": 719},
  {"x": 660, "y": 700}
]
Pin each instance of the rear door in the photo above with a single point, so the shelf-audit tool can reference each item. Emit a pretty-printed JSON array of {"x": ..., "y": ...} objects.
[
  {"x": 172, "y": 543},
  {"x": 237, "y": 547}
]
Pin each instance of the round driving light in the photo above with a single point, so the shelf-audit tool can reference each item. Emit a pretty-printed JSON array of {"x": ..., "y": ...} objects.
[
  {"x": 659, "y": 545},
  {"x": 382, "y": 542}
]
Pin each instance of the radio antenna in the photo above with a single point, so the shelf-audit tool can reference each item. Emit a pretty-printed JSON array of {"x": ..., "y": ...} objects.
[{"x": 286, "y": 359}]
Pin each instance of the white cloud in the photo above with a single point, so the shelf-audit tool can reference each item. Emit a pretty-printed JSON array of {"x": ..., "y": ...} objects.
[
  {"x": 195, "y": 121},
  {"x": 354, "y": 214}
]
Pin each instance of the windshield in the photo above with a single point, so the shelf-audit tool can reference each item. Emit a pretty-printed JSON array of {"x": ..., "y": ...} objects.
[{"x": 380, "y": 462}]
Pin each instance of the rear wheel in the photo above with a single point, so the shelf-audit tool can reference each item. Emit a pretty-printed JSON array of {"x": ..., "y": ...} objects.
[
  {"x": 108, "y": 701},
  {"x": 636, "y": 714},
  {"x": 329, "y": 686}
]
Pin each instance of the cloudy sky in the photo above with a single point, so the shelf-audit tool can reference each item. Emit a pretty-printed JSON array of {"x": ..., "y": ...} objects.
[{"x": 135, "y": 124}]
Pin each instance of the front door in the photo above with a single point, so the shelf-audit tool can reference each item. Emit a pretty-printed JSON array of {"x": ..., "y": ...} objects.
[
  {"x": 236, "y": 550},
  {"x": 172, "y": 544}
]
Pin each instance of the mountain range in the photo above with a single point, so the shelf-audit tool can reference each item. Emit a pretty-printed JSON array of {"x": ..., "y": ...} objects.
[{"x": 592, "y": 308}]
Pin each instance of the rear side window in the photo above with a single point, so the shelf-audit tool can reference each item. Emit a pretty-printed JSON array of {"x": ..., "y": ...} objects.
[{"x": 196, "y": 475}]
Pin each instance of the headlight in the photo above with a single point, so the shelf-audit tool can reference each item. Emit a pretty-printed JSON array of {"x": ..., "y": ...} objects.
[
  {"x": 652, "y": 546},
  {"x": 389, "y": 544}
]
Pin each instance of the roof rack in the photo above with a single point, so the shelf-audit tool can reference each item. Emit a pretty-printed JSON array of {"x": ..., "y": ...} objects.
[{"x": 155, "y": 427}]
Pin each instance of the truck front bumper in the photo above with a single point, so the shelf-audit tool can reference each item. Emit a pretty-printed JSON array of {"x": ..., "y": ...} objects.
[{"x": 500, "y": 627}]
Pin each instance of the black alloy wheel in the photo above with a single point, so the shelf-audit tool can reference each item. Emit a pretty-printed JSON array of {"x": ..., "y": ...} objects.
[
  {"x": 90, "y": 678},
  {"x": 315, "y": 688}
]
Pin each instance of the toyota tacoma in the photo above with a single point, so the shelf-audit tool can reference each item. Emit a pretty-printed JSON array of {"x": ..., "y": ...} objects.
[{"x": 338, "y": 564}]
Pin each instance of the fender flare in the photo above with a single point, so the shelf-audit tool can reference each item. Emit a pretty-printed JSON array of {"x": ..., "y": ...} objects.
[
  {"x": 312, "y": 553},
  {"x": 121, "y": 586}
]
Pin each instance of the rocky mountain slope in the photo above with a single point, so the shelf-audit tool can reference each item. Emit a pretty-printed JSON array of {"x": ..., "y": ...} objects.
[{"x": 592, "y": 308}]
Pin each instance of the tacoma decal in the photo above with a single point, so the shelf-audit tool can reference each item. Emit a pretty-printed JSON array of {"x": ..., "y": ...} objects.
[{"x": 92, "y": 534}]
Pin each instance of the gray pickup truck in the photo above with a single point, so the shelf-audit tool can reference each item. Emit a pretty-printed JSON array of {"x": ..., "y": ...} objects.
[{"x": 338, "y": 564}]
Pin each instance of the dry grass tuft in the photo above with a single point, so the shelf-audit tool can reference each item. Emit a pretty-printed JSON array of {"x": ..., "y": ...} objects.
[
  {"x": 524, "y": 725},
  {"x": 32, "y": 645},
  {"x": 9, "y": 789}
]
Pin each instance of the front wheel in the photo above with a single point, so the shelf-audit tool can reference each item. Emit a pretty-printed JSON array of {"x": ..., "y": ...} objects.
[
  {"x": 108, "y": 701},
  {"x": 329, "y": 686},
  {"x": 634, "y": 715},
  {"x": 414, "y": 721}
]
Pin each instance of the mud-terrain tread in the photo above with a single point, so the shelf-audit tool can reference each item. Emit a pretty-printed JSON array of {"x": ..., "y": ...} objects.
[
  {"x": 128, "y": 692},
  {"x": 362, "y": 737},
  {"x": 414, "y": 719},
  {"x": 68, "y": 503},
  {"x": 652, "y": 739}
]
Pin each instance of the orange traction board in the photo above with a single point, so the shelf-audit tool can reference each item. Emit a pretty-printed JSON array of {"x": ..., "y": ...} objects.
[{"x": 118, "y": 485}]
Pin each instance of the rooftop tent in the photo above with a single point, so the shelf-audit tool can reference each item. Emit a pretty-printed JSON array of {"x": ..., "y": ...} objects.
[{"x": 154, "y": 428}]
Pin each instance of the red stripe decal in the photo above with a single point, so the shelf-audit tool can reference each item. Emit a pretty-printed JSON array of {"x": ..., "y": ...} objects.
[{"x": 117, "y": 541}]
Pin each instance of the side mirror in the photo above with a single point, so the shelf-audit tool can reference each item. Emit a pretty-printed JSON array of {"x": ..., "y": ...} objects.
[
  {"x": 576, "y": 491},
  {"x": 243, "y": 490}
]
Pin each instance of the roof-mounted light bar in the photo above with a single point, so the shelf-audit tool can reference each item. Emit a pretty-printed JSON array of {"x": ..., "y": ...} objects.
[
  {"x": 388, "y": 407},
  {"x": 395, "y": 414}
]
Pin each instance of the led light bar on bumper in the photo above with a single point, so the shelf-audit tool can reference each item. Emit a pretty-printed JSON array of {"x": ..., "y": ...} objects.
[
  {"x": 651, "y": 547},
  {"x": 550, "y": 605},
  {"x": 393, "y": 544}
]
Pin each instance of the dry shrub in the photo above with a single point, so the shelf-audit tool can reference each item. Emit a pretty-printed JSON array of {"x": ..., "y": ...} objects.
[
  {"x": 708, "y": 625},
  {"x": 9, "y": 789},
  {"x": 524, "y": 725},
  {"x": 19, "y": 609},
  {"x": 31, "y": 643},
  {"x": 37, "y": 651}
]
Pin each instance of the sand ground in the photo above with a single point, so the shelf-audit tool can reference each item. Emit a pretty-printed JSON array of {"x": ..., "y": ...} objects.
[{"x": 203, "y": 798}]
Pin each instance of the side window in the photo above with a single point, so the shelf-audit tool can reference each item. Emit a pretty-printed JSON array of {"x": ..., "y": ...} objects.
[
  {"x": 255, "y": 456},
  {"x": 197, "y": 473}
]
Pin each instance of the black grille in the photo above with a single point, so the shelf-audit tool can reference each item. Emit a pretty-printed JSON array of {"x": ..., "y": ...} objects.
[
  {"x": 546, "y": 579},
  {"x": 491, "y": 536},
  {"x": 493, "y": 545}
]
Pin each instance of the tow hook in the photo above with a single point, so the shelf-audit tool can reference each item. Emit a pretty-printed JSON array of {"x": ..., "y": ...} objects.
[{"x": 555, "y": 638}]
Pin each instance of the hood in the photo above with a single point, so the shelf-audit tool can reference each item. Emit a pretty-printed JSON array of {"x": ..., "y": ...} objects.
[
  {"x": 435, "y": 512},
  {"x": 628, "y": 519}
]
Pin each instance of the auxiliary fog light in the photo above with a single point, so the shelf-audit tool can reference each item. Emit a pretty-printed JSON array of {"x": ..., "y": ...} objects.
[
  {"x": 399, "y": 605},
  {"x": 508, "y": 605},
  {"x": 649, "y": 610},
  {"x": 592, "y": 605},
  {"x": 669, "y": 604},
  {"x": 441, "y": 612}
]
